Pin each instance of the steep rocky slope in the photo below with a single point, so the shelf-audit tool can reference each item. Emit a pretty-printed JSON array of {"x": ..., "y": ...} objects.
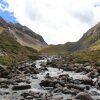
[{"x": 22, "y": 34}]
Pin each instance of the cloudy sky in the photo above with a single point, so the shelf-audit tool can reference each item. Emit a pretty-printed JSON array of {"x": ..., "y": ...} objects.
[{"x": 58, "y": 21}]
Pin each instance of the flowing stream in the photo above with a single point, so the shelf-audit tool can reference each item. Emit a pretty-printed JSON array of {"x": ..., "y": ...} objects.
[{"x": 54, "y": 72}]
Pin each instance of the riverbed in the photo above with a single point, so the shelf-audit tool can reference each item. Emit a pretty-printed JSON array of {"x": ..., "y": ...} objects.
[{"x": 35, "y": 80}]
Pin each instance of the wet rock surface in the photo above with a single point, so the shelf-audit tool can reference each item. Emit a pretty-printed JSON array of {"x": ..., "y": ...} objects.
[{"x": 50, "y": 79}]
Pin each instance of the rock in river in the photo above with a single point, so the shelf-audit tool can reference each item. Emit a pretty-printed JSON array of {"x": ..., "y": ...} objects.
[
  {"x": 83, "y": 96},
  {"x": 21, "y": 87}
]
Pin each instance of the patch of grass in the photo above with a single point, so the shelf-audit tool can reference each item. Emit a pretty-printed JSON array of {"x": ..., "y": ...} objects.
[
  {"x": 86, "y": 56},
  {"x": 95, "y": 47},
  {"x": 6, "y": 60}
]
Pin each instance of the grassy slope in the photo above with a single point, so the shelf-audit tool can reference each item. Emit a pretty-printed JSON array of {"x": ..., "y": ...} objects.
[
  {"x": 57, "y": 49},
  {"x": 86, "y": 56},
  {"x": 95, "y": 47},
  {"x": 13, "y": 51},
  {"x": 53, "y": 49}
]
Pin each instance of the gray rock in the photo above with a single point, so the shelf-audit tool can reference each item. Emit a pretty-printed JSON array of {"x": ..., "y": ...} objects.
[
  {"x": 83, "y": 96},
  {"x": 21, "y": 87}
]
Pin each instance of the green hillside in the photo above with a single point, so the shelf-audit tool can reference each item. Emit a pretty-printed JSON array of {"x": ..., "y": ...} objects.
[{"x": 11, "y": 51}]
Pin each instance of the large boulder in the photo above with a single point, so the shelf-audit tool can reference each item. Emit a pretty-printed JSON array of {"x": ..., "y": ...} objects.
[
  {"x": 83, "y": 96},
  {"x": 79, "y": 87},
  {"x": 3, "y": 72},
  {"x": 30, "y": 95},
  {"x": 21, "y": 87},
  {"x": 47, "y": 83}
]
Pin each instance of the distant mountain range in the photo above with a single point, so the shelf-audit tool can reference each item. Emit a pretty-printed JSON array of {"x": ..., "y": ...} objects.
[
  {"x": 19, "y": 43},
  {"x": 89, "y": 41}
]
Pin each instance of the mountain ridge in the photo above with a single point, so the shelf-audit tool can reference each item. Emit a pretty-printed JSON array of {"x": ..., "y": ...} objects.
[
  {"x": 89, "y": 41},
  {"x": 23, "y": 34}
]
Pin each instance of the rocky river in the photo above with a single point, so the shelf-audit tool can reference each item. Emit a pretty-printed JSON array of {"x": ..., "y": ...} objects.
[{"x": 45, "y": 80}]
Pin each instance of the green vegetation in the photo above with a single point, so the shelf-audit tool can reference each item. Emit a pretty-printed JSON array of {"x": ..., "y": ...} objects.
[
  {"x": 95, "y": 47},
  {"x": 86, "y": 56},
  {"x": 53, "y": 50},
  {"x": 6, "y": 60},
  {"x": 13, "y": 51},
  {"x": 60, "y": 49}
]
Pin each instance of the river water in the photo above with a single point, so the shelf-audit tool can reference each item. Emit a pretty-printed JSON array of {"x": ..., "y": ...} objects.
[{"x": 54, "y": 72}]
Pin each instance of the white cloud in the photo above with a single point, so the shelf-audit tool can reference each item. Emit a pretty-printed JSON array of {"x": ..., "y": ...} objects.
[{"x": 58, "y": 21}]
